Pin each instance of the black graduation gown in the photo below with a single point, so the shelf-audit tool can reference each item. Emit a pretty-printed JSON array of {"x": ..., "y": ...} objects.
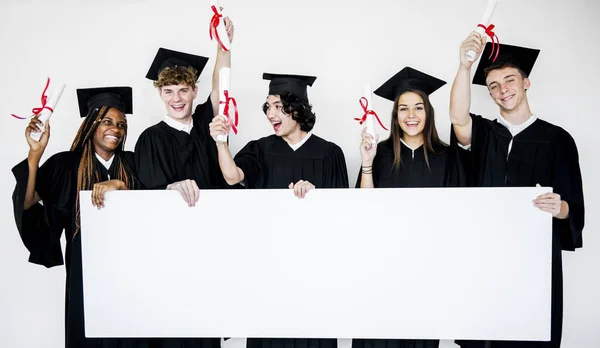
[
  {"x": 41, "y": 227},
  {"x": 389, "y": 343},
  {"x": 271, "y": 163},
  {"x": 443, "y": 170},
  {"x": 542, "y": 154},
  {"x": 164, "y": 155}
]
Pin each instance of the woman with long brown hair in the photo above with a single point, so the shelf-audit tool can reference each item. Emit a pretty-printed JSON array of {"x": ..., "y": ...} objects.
[
  {"x": 413, "y": 155},
  {"x": 46, "y": 199}
]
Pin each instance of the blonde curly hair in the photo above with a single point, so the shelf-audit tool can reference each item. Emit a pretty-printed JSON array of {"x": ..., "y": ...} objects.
[{"x": 178, "y": 75}]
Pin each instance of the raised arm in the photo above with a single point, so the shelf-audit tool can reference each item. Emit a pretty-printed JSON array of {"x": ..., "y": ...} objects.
[
  {"x": 460, "y": 94},
  {"x": 36, "y": 150}
]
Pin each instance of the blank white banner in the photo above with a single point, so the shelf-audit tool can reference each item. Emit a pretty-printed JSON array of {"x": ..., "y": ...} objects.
[{"x": 382, "y": 263}]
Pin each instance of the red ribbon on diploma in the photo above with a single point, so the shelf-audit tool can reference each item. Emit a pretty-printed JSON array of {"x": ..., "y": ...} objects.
[
  {"x": 214, "y": 23},
  {"x": 364, "y": 104},
  {"x": 228, "y": 99},
  {"x": 44, "y": 101},
  {"x": 495, "y": 41}
]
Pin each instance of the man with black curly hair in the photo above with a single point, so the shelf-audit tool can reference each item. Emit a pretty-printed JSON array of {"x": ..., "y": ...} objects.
[{"x": 293, "y": 157}]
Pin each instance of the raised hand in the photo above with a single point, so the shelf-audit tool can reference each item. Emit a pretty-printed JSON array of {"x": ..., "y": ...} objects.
[
  {"x": 474, "y": 42},
  {"x": 34, "y": 126},
  {"x": 218, "y": 126},
  {"x": 368, "y": 150}
]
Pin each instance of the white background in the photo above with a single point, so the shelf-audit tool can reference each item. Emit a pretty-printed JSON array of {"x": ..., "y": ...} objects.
[{"x": 344, "y": 43}]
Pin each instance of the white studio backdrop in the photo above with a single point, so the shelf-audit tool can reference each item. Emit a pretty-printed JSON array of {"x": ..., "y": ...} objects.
[{"x": 345, "y": 43}]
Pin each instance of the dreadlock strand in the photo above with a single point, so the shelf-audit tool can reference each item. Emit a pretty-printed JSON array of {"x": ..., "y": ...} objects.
[{"x": 86, "y": 174}]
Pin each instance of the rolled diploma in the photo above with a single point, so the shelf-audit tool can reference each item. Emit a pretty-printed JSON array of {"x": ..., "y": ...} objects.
[
  {"x": 487, "y": 16},
  {"x": 224, "y": 83},
  {"x": 221, "y": 27},
  {"x": 45, "y": 115},
  {"x": 369, "y": 122}
]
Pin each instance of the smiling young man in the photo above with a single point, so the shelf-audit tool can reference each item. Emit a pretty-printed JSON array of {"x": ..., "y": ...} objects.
[
  {"x": 177, "y": 153},
  {"x": 293, "y": 157},
  {"x": 519, "y": 149}
]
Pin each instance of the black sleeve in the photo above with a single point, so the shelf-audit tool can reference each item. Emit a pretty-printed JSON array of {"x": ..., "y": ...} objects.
[
  {"x": 568, "y": 184},
  {"x": 458, "y": 165},
  {"x": 248, "y": 160},
  {"x": 202, "y": 116},
  {"x": 471, "y": 160},
  {"x": 128, "y": 159},
  {"x": 336, "y": 172},
  {"x": 151, "y": 168},
  {"x": 39, "y": 232}
]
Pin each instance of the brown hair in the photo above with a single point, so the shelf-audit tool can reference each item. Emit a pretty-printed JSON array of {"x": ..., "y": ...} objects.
[
  {"x": 87, "y": 175},
  {"x": 495, "y": 66},
  {"x": 178, "y": 75},
  {"x": 431, "y": 140}
]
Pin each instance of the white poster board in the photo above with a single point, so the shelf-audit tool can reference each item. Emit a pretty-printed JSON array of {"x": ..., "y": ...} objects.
[{"x": 365, "y": 263}]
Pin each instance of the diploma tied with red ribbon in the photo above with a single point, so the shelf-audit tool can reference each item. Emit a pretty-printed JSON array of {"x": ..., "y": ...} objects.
[
  {"x": 48, "y": 104},
  {"x": 225, "y": 100},
  {"x": 482, "y": 27},
  {"x": 369, "y": 116},
  {"x": 217, "y": 26}
]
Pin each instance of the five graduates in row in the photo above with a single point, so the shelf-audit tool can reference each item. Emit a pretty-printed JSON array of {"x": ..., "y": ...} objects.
[{"x": 183, "y": 153}]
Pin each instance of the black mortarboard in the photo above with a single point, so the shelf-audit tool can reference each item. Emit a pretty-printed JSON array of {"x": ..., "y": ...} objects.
[
  {"x": 295, "y": 84},
  {"x": 408, "y": 79},
  {"x": 169, "y": 58},
  {"x": 522, "y": 57},
  {"x": 116, "y": 97}
]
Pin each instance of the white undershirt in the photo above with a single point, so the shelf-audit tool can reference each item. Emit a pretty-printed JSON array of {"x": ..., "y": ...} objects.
[
  {"x": 515, "y": 129},
  {"x": 300, "y": 143},
  {"x": 178, "y": 125},
  {"x": 106, "y": 164}
]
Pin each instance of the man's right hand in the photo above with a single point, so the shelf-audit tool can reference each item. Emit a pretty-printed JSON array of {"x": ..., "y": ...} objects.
[
  {"x": 34, "y": 126},
  {"x": 188, "y": 189},
  {"x": 475, "y": 42}
]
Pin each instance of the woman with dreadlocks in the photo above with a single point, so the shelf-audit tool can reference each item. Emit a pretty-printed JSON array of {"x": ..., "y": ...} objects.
[{"x": 97, "y": 162}]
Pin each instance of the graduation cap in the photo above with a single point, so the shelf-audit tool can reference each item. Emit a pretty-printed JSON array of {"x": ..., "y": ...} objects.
[
  {"x": 115, "y": 97},
  {"x": 166, "y": 58},
  {"x": 408, "y": 79},
  {"x": 521, "y": 57},
  {"x": 295, "y": 84}
]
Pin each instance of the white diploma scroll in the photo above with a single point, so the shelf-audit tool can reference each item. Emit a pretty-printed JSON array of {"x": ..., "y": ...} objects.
[
  {"x": 369, "y": 122},
  {"x": 224, "y": 84},
  {"x": 221, "y": 32},
  {"x": 485, "y": 20},
  {"x": 55, "y": 93}
]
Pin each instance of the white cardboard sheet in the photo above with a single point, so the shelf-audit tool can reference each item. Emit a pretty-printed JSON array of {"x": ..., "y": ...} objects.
[{"x": 365, "y": 263}]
